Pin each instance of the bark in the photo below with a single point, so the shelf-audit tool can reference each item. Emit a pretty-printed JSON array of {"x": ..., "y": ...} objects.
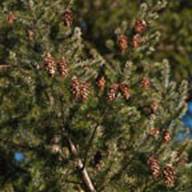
[{"x": 88, "y": 184}]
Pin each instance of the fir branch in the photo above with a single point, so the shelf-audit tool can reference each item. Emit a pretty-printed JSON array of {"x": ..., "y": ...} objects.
[
  {"x": 74, "y": 182},
  {"x": 69, "y": 4},
  {"x": 89, "y": 145},
  {"x": 87, "y": 183}
]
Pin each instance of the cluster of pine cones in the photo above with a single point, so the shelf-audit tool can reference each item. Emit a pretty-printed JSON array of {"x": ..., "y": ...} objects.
[
  {"x": 115, "y": 88},
  {"x": 123, "y": 88},
  {"x": 168, "y": 172},
  {"x": 52, "y": 66},
  {"x": 166, "y": 136},
  {"x": 80, "y": 90},
  {"x": 139, "y": 28}
]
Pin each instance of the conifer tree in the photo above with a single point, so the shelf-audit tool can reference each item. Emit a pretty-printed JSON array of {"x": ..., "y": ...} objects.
[
  {"x": 174, "y": 25},
  {"x": 86, "y": 122}
]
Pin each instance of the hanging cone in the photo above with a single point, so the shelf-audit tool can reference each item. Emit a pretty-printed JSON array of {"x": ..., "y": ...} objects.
[
  {"x": 140, "y": 26},
  {"x": 113, "y": 91},
  {"x": 75, "y": 87},
  {"x": 169, "y": 175},
  {"x": 146, "y": 83},
  {"x": 11, "y": 17},
  {"x": 154, "y": 166},
  {"x": 154, "y": 132},
  {"x": 154, "y": 106},
  {"x": 68, "y": 18},
  {"x": 101, "y": 83},
  {"x": 84, "y": 91},
  {"x": 49, "y": 64},
  {"x": 122, "y": 42},
  {"x": 30, "y": 35},
  {"x": 124, "y": 88},
  {"x": 166, "y": 137},
  {"x": 136, "y": 41},
  {"x": 62, "y": 67}
]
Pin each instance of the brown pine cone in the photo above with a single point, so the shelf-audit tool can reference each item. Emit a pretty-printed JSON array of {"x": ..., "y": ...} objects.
[
  {"x": 154, "y": 132},
  {"x": 30, "y": 34},
  {"x": 84, "y": 91},
  {"x": 169, "y": 175},
  {"x": 55, "y": 148},
  {"x": 136, "y": 41},
  {"x": 154, "y": 166},
  {"x": 166, "y": 136},
  {"x": 68, "y": 17},
  {"x": 75, "y": 86},
  {"x": 101, "y": 83},
  {"x": 113, "y": 91},
  {"x": 140, "y": 26},
  {"x": 124, "y": 88},
  {"x": 11, "y": 17},
  {"x": 122, "y": 42},
  {"x": 55, "y": 144},
  {"x": 62, "y": 67},
  {"x": 154, "y": 106},
  {"x": 145, "y": 83},
  {"x": 50, "y": 64}
]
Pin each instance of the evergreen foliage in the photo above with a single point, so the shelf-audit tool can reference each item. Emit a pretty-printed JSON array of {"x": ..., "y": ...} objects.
[
  {"x": 174, "y": 24},
  {"x": 84, "y": 120}
]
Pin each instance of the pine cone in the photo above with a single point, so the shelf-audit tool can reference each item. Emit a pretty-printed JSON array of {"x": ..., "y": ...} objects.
[
  {"x": 169, "y": 175},
  {"x": 154, "y": 166},
  {"x": 154, "y": 132},
  {"x": 101, "y": 83},
  {"x": 122, "y": 42},
  {"x": 154, "y": 106},
  {"x": 30, "y": 34},
  {"x": 80, "y": 90},
  {"x": 62, "y": 67},
  {"x": 166, "y": 136},
  {"x": 140, "y": 26},
  {"x": 49, "y": 64},
  {"x": 55, "y": 148},
  {"x": 11, "y": 18},
  {"x": 113, "y": 91},
  {"x": 145, "y": 83},
  {"x": 136, "y": 41},
  {"x": 75, "y": 86},
  {"x": 68, "y": 17},
  {"x": 84, "y": 91},
  {"x": 124, "y": 88},
  {"x": 55, "y": 144}
]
